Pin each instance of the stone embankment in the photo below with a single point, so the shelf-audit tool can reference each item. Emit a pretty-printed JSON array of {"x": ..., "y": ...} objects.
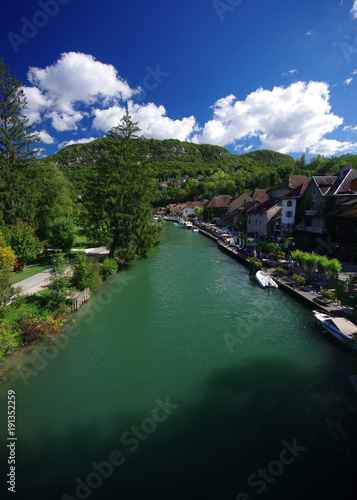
[{"x": 305, "y": 294}]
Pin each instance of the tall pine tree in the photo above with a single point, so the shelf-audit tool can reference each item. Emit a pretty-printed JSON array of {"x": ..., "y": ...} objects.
[
  {"x": 16, "y": 137},
  {"x": 117, "y": 211}
]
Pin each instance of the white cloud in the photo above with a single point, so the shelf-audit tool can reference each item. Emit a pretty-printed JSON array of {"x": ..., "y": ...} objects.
[
  {"x": 152, "y": 121},
  {"x": 65, "y": 121},
  {"x": 291, "y": 72},
  {"x": 46, "y": 138},
  {"x": 75, "y": 79},
  {"x": 36, "y": 104},
  {"x": 350, "y": 128},
  {"x": 79, "y": 77},
  {"x": 348, "y": 81},
  {"x": 354, "y": 9},
  {"x": 287, "y": 120},
  {"x": 79, "y": 141},
  {"x": 328, "y": 147}
]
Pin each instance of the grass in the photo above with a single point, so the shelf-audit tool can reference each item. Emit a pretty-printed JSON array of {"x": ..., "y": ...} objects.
[
  {"x": 29, "y": 271},
  {"x": 83, "y": 242}
]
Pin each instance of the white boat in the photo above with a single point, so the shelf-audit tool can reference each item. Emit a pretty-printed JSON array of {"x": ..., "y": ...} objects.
[
  {"x": 264, "y": 280},
  {"x": 196, "y": 230},
  {"x": 189, "y": 225},
  {"x": 341, "y": 328}
]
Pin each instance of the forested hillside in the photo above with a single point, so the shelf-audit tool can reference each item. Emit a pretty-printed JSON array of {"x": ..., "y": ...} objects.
[{"x": 172, "y": 159}]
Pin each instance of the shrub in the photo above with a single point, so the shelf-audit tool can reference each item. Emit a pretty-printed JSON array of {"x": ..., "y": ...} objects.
[
  {"x": 257, "y": 264},
  {"x": 110, "y": 266},
  {"x": 328, "y": 294},
  {"x": 299, "y": 280},
  {"x": 86, "y": 273},
  {"x": 280, "y": 270},
  {"x": 33, "y": 328},
  {"x": 9, "y": 339}
]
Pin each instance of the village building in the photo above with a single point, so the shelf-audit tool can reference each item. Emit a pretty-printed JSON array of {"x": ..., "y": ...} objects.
[{"x": 264, "y": 219}]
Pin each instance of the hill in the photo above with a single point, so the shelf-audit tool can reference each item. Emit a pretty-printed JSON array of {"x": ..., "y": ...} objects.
[{"x": 171, "y": 158}]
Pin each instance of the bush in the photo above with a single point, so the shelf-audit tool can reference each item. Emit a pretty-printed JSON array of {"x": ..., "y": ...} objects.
[
  {"x": 299, "y": 280},
  {"x": 329, "y": 295},
  {"x": 110, "y": 266},
  {"x": 33, "y": 328},
  {"x": 9, "y": 339},
  {"x": 280, "y": 270},
  {"x": 86, "y": 273}
]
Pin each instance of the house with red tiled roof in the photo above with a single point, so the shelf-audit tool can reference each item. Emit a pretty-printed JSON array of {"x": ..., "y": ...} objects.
[
  {"x": 217, "y": 206},
  {"x": 189, "y": 208},
  {"x": 288, "y": 184}
]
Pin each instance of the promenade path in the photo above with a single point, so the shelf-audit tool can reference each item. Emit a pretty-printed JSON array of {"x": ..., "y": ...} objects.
[{"x": 41, "y": 280}]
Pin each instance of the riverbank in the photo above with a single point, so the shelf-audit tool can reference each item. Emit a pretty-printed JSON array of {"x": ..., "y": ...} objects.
[{"x": 305, "y": 294}]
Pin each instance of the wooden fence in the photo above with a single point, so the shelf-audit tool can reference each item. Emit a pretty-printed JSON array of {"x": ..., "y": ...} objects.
[{"x": 80, "y": 297}]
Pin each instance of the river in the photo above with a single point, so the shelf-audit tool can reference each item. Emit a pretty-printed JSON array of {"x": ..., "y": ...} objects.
[{"x": 182, "y": 379}]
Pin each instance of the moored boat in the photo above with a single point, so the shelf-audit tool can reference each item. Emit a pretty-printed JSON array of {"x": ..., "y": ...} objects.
[
  {"x": 264, "y": 280},
  {"x": 341, "y": 328}
]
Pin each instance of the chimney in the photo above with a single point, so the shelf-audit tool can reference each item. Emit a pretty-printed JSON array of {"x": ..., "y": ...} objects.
[{"x": 343, "y": 172}]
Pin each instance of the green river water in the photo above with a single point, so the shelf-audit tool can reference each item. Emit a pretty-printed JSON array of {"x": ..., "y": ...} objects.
[{"x": 182, "y": 379}]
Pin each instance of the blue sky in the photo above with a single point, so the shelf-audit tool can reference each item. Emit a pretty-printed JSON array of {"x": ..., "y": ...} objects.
[{"x": 244, "y": 74}]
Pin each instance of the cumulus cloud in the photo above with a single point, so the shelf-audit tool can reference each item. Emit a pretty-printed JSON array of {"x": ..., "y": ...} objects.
[
  {"x": 37, "y": 103},
  {"x": 354, "y": 9},
  {"x": 328, "y": 147},
  {"x": 75, "y": 79},
  {"x": 79, "y": 141},
  {"x": 152, "y": 121},
  {"x": 46, "y": 138},
  {"x": 286, "y": 119}
]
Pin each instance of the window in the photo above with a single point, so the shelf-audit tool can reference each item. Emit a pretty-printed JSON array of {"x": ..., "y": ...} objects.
[
  {"x": 289, "y": 214},
  {"x": 290, "y": 203}
]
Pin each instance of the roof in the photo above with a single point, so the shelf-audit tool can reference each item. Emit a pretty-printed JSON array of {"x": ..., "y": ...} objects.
[
  {"x": 290, "y": 182},
  {"x": 297, "y": 192},
  {"x": 260, "y": 195},
  {"x": 193, "y": 204},
  {"x": 266, "y": 206},
  {"x": 219, "y": 201},
  {"x": 347, "y": 210},
  {"x": 324, "y": 182}
]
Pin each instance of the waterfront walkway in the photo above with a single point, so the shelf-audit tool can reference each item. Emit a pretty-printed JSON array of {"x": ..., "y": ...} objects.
[{"x": 306, "y": 294}]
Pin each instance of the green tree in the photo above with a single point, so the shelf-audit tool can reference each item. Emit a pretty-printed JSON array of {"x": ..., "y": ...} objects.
[
  {"x": 118, "y": 207},
  {"x": 16, "y": 137},
  {"x": 48, "y": 196},
  {"x": 25, "y": 242},
  {"x": 7, "y": 262},
  {"x": 58, "y": 294},
  {"x": 61, "y": 234},
  {"x": 86, "y": 273}
]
